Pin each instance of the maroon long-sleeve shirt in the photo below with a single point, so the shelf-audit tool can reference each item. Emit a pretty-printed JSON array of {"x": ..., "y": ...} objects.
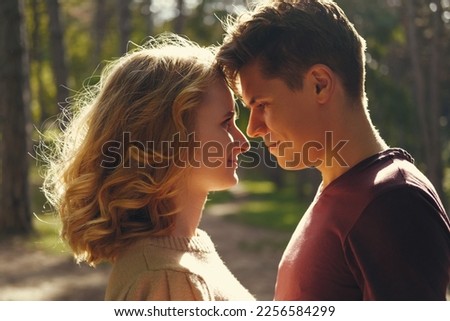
[{"x": 378, "y": 232}]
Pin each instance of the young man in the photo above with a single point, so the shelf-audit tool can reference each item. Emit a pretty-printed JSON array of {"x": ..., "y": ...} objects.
[{"x": 376, "y": 229}]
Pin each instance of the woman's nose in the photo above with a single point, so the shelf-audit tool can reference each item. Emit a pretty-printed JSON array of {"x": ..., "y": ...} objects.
[{"x": 243, "y": 142}]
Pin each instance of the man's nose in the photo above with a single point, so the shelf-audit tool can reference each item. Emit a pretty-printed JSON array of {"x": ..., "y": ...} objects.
[{"x": 256, "y": 126}]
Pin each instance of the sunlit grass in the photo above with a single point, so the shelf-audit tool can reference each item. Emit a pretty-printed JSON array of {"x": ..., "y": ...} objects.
[
  {"x": 271, "y": 213},
  {"x": 46, "y": 236},
  {"x": 45, "y": 223},
  {"x": 259, "y": 187},
  {"x": 270, "y": 208}
]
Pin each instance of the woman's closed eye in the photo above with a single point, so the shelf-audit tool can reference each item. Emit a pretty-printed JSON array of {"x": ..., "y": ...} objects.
[{"x": 228, "y": 123}]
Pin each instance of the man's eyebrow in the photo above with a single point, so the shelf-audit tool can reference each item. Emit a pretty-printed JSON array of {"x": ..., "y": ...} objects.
[{"x": 251, "y": 102}]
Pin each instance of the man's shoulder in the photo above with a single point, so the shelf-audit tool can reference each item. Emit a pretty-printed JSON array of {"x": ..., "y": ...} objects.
[
  {"x": 390, "y": 173},
  {"x": 400, "y": 175},
  {"x": 391, "y": 169}
]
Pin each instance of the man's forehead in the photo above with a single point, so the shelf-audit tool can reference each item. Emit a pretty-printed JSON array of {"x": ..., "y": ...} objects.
[{"x": 248, "y": 83}]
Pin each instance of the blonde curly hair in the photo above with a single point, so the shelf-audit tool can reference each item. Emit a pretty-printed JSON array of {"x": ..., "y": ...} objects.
[{"x": 110, "y": 192}]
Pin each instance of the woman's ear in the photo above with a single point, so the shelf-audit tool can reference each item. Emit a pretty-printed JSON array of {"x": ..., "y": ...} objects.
[{"x": 323, "y": 80}]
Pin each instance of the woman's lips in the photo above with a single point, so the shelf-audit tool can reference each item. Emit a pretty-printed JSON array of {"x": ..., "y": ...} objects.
[{"x": 232, "y": 163}]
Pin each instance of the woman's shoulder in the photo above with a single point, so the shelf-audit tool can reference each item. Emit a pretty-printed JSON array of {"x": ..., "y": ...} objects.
[
  {"x": 163, "y": 285},
  {"x": 165, "y": 253}
]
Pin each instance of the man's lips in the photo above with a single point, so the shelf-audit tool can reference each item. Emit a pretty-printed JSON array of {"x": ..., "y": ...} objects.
[{"x": 271, "y": 144}]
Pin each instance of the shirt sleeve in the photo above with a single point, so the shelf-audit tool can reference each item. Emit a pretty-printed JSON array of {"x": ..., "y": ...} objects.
[
  {"x": 169, "y": 285},
  {"x": 399, "y": 249}
]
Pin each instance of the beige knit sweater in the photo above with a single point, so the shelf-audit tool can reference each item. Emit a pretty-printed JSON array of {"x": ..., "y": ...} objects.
[{"x": 173, "y": 269}]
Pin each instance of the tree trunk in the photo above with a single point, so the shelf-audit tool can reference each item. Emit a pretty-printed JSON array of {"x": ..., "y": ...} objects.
[
  {"x": 428, "y": 112},
  {"x": 148, "y": 16},
  {"x": 99, "y": 27},
  {"x": 124, "y": 24},
  {"x": 435, "y": 171},
  {"x": 57, "y": 51},
  {"x": 179, "y": 20},
  {"x": 419, "y": 85},
  {"x": 15, "y": 213},
  {"x": 36, "y": 56}
]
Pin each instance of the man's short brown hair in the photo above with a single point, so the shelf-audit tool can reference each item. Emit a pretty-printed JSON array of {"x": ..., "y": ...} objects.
[{"x": 288, "y": 37}]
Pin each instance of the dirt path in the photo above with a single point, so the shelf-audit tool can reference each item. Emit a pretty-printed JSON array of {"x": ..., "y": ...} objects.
[{"x": 252, "y": 254}]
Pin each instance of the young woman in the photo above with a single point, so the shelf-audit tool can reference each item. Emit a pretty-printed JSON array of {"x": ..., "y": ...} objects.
[{"x": 134, "y": 167}]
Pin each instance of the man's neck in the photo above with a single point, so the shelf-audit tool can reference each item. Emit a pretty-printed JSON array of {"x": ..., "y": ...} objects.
[{"x": 361, "y": 140}]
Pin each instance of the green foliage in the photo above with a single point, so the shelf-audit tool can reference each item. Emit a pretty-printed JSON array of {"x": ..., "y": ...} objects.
[{"x": 393, "y": 114}]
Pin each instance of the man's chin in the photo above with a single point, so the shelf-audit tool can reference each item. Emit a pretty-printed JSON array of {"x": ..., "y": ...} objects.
[{"x": 290, "y": 165}]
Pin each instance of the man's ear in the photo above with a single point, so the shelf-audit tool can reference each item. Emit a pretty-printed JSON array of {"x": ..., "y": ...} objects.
[{"x": 322, "y": 79}]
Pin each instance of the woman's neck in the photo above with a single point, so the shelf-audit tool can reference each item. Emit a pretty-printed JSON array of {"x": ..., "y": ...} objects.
[{"x": 188, "y": 218}]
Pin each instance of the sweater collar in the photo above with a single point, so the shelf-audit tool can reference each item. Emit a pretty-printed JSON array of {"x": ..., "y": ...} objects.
[{"x": 201, "y": 242}]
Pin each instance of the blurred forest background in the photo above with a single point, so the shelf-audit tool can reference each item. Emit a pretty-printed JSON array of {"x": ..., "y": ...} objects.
[{"x": 50, "y": 49}]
